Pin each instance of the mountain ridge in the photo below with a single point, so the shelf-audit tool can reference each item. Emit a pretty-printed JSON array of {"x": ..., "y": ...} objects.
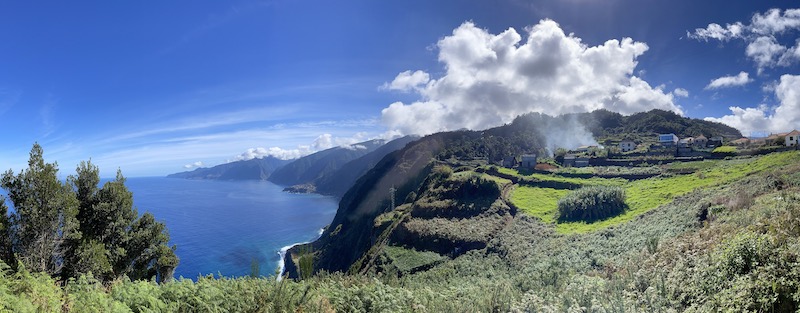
[{"x": 253, "y": 169}]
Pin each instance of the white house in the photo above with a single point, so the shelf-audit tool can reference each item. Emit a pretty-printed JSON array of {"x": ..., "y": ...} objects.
[
  {"x": 700, "y": 141},
  {"x": 792, "y": 139},
  {"x": 627, "y": 145}
]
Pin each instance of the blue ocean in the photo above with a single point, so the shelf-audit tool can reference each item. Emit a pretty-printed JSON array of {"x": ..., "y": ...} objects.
[{"x": 222, "y": 227}]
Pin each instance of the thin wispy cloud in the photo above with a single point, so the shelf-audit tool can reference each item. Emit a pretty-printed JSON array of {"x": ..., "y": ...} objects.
[
  {"x": 214, "y": 21},
  {"x": 8, "y": 98},
  {"x": 46, "y": 115},
  {"x": 204, "y": 121}
]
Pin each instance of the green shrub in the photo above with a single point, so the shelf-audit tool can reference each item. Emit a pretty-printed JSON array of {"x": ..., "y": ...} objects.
[{"x": 591, "y": 204}]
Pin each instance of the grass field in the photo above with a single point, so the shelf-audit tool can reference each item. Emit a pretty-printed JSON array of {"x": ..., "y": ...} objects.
[
  {"x": 538, "y": 202},
  {"x": 642, "y": 195}
]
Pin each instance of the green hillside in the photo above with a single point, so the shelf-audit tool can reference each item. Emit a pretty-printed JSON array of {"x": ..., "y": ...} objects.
[{"x": 438, "y": 227}]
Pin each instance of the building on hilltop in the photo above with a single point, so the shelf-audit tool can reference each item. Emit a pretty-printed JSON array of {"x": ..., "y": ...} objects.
[
  {"x": 792, "y": 138},
  {"x": 627, "y": 145},
  {"x": 741, "y": 142},
  {"x": 685, "y": 142},
  {"x": 569, "y": 160},
  {"x": 510, "y": 161},
  {"x": 528, "y": 161},
  {"x": 667, "y": 140},
  {"x": 700, "y": 142},
  {"x": 715, "y": 141}
]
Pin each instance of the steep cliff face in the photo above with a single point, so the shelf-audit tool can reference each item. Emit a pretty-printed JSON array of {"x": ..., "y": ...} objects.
[
  {"x": 309, "y": 168},
  {"x": 356, "y": 229},
  {"x": 337, "y": 183},
  {"x": 404, "y": 206},
  {"x": 351, "y": 232}
]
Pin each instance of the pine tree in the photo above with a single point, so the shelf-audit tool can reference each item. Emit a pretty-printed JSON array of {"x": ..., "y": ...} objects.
[
  {"x": 45, "y": 214},
  {"x": 6, "y": 251},
  {"x": 115, "y": 241}
]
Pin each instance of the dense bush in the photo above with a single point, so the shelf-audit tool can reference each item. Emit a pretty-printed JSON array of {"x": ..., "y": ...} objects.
[{"x": 591, "y": 203}]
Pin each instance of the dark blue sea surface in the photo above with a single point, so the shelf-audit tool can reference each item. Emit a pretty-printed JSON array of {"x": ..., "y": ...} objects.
[{"x": 221, "y": 227}]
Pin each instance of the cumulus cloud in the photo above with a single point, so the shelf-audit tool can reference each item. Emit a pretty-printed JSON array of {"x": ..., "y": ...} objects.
[
  {"x": 729, "y": 81},
  {"x": 492, "y": 78},
  {"x": 760, "y": 34},
  {"x": 715, "y": 31},
  {"x": 322, "y": 142},
  {"x": 680, "y": 92},
  {"x": 193, "y": 165},
  {"x": 765, "y": 51},
  {"x": 763, "y": 119},
  {"x": 408, "y": 81}
]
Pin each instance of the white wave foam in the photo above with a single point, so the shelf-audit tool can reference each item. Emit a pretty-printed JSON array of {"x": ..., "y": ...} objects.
[{"x": 282, "y": 253}]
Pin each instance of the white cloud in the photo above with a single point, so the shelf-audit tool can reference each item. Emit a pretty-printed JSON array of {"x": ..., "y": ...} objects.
[
  {"x": 762, "y": 119},
  {"x": 760, "y": 35},
  {"x": 790, "y": 56},
  {"x": 408, "y": 81},
  {"x": 322, "y": 142},
  {"x": 765, "y": 51},
  {"x": 773, "y": 22},
  {"x": 715, "y": 31},
  {"x": 490, "y": 79},
  {"x": 193, "y": 165},
  {"x": 729, "y": 81},
  {"x": 680, "y": 92}
]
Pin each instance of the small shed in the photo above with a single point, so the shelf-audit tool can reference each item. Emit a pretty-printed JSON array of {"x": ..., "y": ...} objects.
[
  {"x": 569, "y": 160},
  {"x": 510, "y": 161},
  {"x": 528, "y": 161}
]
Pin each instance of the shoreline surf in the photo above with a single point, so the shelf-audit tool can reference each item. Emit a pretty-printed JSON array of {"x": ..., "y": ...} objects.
[{"x": 282, "y": 253}]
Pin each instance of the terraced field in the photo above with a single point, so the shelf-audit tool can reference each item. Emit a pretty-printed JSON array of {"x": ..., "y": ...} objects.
[{"x": 642, "y": 195}]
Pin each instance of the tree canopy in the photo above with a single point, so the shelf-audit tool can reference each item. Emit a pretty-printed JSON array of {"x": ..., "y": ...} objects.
[{"x": 77, "y": 227}]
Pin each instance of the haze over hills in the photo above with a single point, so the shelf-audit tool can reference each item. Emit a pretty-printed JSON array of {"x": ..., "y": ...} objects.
[
  {"x": 338, "y": 182},
  {"x": 253, "y": 169},
  {"x": 313, "y": 166},
  {"x": 329, "y": 172}
]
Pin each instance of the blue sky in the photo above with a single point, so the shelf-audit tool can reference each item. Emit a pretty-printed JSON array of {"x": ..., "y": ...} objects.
[{"x": 163, "y": 86}]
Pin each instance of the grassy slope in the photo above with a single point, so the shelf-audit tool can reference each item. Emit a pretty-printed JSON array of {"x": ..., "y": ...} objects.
[
  {"x": 643, "y": 195},
  {"x": 665, "y": 261}
]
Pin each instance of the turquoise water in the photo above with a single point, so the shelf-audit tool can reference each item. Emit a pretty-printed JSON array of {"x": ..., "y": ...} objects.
[{"x": 222, "y": 227}]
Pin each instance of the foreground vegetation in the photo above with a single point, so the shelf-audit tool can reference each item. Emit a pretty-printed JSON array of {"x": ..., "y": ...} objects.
[
  {"x": 69, "y": 229},
  {"x": 701, "y": 237},
  {"x": 728, "y": 247}
]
